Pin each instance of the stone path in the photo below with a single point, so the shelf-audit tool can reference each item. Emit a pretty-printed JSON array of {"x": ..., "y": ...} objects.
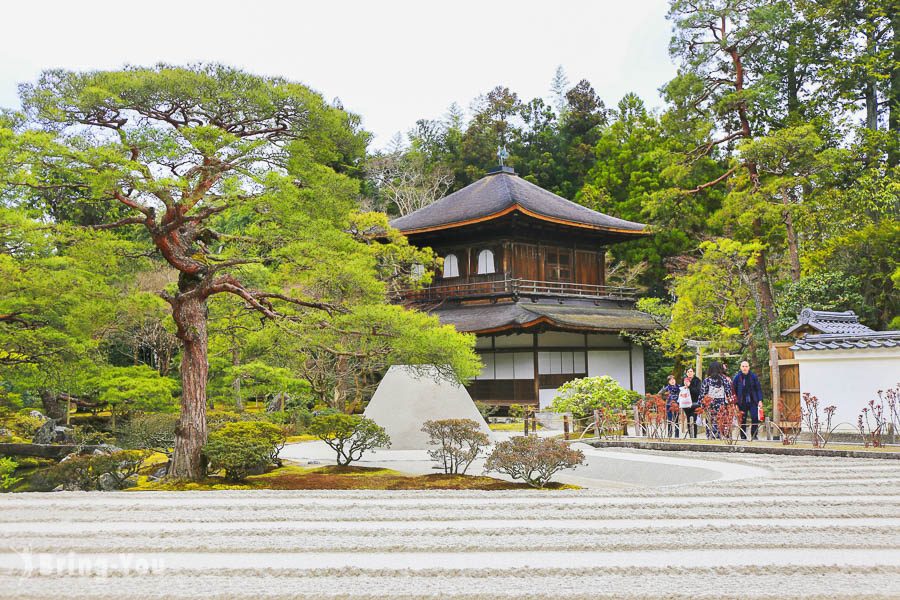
[{"x": 808, "y": 528}]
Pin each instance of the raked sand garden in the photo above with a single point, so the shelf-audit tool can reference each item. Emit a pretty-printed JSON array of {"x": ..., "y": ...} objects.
[{"x": 759, "y": 527}]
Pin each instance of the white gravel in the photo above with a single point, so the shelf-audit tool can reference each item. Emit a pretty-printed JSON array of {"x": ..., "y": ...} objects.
[{"x": 799, "y": 527}]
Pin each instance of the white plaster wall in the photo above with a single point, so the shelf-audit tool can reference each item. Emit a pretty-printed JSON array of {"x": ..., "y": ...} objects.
[
  {"x": 637, "y": 369},
  {"x": 610, "y": 362},
  {"x": 847, "y": 379},
  {"x": 561, "y": 339}
]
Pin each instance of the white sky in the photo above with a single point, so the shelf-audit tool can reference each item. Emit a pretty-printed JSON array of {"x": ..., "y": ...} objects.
[{"x": 390, "y": 61}]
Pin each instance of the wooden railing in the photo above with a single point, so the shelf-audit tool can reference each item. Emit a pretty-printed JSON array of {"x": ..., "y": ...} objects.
[{"x": 513, "y": 287}]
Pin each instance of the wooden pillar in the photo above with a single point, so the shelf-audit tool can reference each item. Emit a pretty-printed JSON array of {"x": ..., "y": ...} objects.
[
  {"x": 601, "y": 264},
  {"x": 566, "y": 427},
  {"x": 537, "y": 377}
]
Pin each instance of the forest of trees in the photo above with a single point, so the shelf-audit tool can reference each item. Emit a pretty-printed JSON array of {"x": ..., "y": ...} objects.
[
  {"x": 202, "y": 235},
  {"x": 769, "y": 176}
]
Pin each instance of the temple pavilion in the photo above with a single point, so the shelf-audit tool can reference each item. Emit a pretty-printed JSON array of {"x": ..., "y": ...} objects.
[{"x": 524, "y": 270}]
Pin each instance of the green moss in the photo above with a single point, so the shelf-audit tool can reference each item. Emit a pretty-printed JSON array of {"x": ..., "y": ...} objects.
[
  {"x": 292, "y": 477},
  {"x": 509, "y": 426}
]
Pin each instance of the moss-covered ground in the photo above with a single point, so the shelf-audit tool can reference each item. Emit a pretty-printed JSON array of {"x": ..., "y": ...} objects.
[
  {"x": 508, "y": 426},
  {"x": 291, "y": 477}
]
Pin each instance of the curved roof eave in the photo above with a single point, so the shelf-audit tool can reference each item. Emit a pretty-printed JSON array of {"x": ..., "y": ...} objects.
[
  {"x": 530, "y": 213},
  {"x": 502, "y": 192}
]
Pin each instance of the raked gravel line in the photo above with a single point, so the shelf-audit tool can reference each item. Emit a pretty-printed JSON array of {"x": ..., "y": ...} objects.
[{"x": 813, "y": 528}]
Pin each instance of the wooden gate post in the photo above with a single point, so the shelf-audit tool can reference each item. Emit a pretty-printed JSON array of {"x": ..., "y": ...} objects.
[
  {"x": 597, "y": 422},
  {"x": 776, "y": 383},
  {"x": 566, "y": 427}
]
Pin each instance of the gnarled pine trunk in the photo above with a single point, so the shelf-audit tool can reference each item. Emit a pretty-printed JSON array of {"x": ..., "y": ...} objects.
[{"x": 189, "y": 312}]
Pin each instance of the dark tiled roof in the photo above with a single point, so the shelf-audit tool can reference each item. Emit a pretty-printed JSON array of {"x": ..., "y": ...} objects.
[
  {"x": 828, "y": 322},
  {"x": 502, "y": 190},
  {"x": 832, "y": 341},
  {"x": 603, "y": 317}
]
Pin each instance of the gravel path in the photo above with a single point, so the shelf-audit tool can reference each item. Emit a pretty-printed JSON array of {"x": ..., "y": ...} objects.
[{"x": 812, "y": 528}]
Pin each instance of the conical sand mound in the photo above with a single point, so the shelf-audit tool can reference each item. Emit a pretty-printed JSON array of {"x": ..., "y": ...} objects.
[{"x": 406, "y": 398}]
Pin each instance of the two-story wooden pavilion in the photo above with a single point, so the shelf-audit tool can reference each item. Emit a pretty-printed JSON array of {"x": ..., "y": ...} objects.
[{"x": 524, "y": 269}]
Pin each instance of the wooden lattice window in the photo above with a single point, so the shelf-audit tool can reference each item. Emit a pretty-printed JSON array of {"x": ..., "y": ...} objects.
[{"x": 558, "y": 264}]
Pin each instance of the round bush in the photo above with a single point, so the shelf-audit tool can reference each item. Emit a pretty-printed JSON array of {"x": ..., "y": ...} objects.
[{"x": 243, "y": 447}]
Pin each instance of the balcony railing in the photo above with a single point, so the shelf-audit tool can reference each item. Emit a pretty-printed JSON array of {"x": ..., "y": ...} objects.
[{"x": 512, "y": 287}]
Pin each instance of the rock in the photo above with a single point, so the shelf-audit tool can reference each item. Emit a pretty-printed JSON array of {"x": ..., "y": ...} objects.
[
  {"x": 60, "y": 487},
  {"x": 37, "y": 415},
  {"x": 63, "y": 435},
  {"x": 130, "y": 482},
  {"x": 69, "y": 457},
  {"x": 46, "y": 432},
  {"x": 158, "y": 474},
  {"x": 106, "y": 449},
  {"x": 258, "y": 469},
  {"x": 107, "y": 482}
]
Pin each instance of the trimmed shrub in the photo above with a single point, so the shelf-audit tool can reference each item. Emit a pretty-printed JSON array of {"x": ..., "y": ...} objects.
[
  {"x": 516, "y": 411},
  {"x": 292, "y": 421},
  {"x": 486, "y": 410},
  {"x": 582, "y": 396},
  {"x": 150, "y": 432},
  {"x": 532, "y": 459},
  {"x": 217, "y": 419},
  {"x": 244, "y": 447},
  {"x": 459, "y": 442},
  {"x": 97, "y": 471},
  {"x": 24, "y": 426},
  {"x": 349, "y": 435}
]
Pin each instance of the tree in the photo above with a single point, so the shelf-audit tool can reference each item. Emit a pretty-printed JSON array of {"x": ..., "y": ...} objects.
[
  {"x": 234, "y": 180},
  {"x": 132, "y": 389},
  {"x": 62, "y": 291},
  {"x": 407, "y": 181},
  {"x": 459, "y": 442},
  {"x": 240, "y": 448},
  {"x": 349, "y": 435},
  {"x": 582, "y": 396},
  {"x": 825, "y": 290},
  {"x": 786, "y": 161},
  {"x": 533, "y": 459},
  {"x": 634, "y": 174},
  {"x": 344, "y": 363},
  {"x": 558, "y": 88},
  {"x": 715, "y": 299},
  {"x": 714, "y": 40}
]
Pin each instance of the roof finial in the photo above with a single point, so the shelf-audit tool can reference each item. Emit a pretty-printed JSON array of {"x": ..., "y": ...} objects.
[{"x": 502, "y": 154}]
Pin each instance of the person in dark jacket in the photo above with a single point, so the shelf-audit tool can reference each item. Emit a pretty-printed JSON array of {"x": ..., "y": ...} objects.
[
  {"x": 693, "y": 385},
  {"x": 670, "y": 394},
  {"x": 718, "y": 386},
  {"x": 749, "y": 394}
]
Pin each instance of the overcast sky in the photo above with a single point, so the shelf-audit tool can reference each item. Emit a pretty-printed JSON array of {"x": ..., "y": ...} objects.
[{"x": 392, "y": 62}]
